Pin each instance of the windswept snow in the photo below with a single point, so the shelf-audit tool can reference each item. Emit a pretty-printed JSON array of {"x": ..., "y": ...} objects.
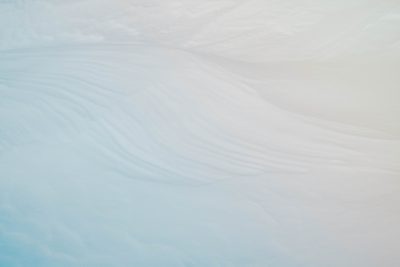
[{"x": 199, "y": 133}]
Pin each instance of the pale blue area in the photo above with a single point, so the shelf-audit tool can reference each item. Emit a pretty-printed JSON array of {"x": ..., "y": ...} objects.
[{"x": 199, "y": 133}]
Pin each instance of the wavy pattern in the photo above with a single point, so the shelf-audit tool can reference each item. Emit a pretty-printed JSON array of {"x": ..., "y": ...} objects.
[{"x": 174, "y": 140}]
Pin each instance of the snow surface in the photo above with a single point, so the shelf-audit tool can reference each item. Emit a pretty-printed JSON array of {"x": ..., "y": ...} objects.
[{"x": 199, "y": 133}]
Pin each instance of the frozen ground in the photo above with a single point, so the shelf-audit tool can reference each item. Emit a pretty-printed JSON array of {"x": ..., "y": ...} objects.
[{"x": 199, "y": 133}]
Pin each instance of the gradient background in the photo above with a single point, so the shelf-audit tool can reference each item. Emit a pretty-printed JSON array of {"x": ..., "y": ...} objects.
[{"x": 188, "y": 133}]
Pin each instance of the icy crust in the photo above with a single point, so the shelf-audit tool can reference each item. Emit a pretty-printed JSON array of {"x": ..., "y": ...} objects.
[{"x": 148, "y": 148}]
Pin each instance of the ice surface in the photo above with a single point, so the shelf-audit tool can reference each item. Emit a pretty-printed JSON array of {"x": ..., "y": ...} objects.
[{"x": 192, "y": 133}]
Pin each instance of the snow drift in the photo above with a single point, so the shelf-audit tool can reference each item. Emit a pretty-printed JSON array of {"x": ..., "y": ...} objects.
[{"x": 199, "y": 133}]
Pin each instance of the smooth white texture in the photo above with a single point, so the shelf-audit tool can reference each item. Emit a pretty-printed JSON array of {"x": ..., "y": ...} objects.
[{"x": 199, "y": 133}]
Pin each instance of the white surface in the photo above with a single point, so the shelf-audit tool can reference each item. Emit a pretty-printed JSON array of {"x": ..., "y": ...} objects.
[{"x": 199, "y": 133}]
